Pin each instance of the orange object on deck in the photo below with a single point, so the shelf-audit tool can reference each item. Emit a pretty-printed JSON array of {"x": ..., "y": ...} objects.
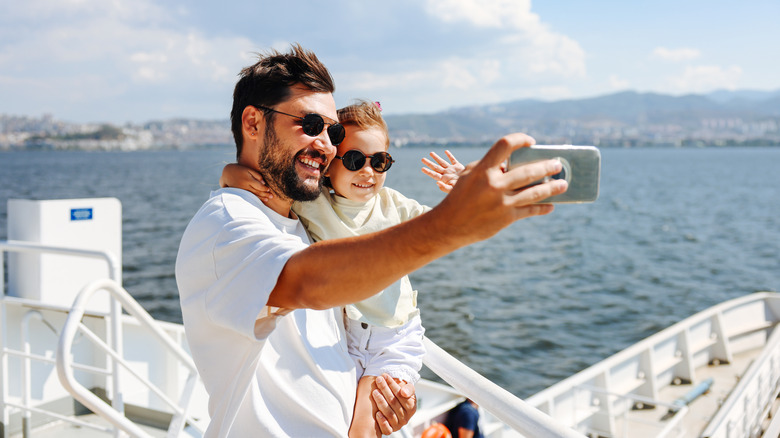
[{"x": 436, "y": 430}]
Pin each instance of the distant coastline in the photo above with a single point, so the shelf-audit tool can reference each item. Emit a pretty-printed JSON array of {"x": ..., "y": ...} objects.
[{"x": 627, "y": 119}]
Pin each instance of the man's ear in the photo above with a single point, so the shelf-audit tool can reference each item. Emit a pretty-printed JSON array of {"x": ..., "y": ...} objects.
[
  {"x": 252, "y": 129},
  {"x": 252, "y": 121}
]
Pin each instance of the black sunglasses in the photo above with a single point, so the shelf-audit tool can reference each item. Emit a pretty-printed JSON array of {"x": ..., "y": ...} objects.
[
  {"x": 355, "y": 160},
  {"x": 313, "y": 124}
]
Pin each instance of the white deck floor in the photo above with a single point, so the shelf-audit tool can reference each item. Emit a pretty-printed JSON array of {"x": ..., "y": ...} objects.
[
  {"x": 62, "y": 429},
  {"x": 701, "y": 410}
]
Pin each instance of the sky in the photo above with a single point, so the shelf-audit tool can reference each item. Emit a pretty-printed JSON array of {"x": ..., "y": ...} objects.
[{"x": 134, "y": 61}]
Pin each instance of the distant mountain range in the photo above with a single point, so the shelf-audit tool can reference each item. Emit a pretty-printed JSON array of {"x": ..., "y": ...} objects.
[
  {"x": 622, "y": 119},
  {"x": 626, "y": 119}
]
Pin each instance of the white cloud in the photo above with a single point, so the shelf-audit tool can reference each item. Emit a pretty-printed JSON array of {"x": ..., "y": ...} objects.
[
  {"x": 706, "y": 78},
  {"x": 527, "y": 43},
  {"x": 140, "y": 11},
  {"x": 448, "y": 75},
  {"x": 130, "y": 53},
  {"x": 551, "y": 53},
  {"x": 463, "y": 74},
  {"x": 554, "y": 93},
  {"x": 485, "y": 13},
  {"x": 505, "y": 53},
  {"x": 489, "y": 70},
  {"x": 456, "y": 75},
  {"x": 156, "y": 59},
  {"x": 126, "y": 51},
  {"x": 444, "y": 83},
  {"x": 681, "y": 54},
  {"x": 189, "y": 56},
  {"x": 616, "y": 83}
]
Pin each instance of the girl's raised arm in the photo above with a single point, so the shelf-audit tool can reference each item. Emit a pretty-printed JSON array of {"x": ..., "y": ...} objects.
[{"x": 446, "y": 174}]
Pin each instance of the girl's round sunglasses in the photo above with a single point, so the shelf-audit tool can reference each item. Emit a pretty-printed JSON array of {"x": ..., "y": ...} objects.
[
  {"x": 355, "y": 160},
  {"x": 313, "y": 124}
]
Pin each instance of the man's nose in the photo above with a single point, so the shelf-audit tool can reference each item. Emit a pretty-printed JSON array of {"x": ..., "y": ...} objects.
[{"x": 323, "y": 145}]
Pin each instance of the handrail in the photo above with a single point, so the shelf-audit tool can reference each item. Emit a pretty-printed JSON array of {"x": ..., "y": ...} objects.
[
  {"x": 114, "y": 267},
  {"x": 513, "y": 411},
  {"x": 65, "y": 361},
  {"x": 26, "y": 372},
  {"x": 767, "y": 363},
  {"x": 114, "y": 272},
  {"x": 677, "y": 412}
]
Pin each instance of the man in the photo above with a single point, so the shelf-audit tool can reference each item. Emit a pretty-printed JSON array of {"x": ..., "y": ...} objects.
[
  {"x": 262, "y": 307},
  {"x": 463, "y": 420}
]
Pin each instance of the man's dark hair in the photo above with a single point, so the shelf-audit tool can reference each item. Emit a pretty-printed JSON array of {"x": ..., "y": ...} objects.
[{"x": 268, "y": 83}]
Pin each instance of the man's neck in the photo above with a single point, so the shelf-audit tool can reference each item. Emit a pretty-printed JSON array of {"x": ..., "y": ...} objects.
[{"x": 280, "y": 206}]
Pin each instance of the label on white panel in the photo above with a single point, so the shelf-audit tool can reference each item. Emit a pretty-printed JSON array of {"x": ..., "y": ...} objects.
[{"x": 80, "y": 214}]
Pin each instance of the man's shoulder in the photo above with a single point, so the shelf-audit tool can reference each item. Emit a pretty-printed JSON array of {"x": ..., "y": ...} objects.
[
  {"x": 224, "y": 209},
  {"x": 235, "y": 203},
  {"x": 230, "y": 205}
]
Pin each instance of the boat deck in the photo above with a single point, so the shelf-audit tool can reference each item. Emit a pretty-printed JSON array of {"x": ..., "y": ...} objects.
[
  {"x": 644, "y": 423},
  {"x": 638, "y": 423},
  {"x": 62, "y": 429}
]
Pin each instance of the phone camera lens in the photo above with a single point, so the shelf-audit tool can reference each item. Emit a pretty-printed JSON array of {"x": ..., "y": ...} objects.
[{"x": 565, "y": 173}]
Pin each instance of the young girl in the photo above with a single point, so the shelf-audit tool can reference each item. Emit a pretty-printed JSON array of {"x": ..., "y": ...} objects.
[{"x": 384, "y": 332}]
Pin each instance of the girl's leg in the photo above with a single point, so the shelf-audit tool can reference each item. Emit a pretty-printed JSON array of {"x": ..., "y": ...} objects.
[{"x": 363, "y": 420}]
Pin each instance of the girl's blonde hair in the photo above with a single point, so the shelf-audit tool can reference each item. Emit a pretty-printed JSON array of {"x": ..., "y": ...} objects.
[{"x": 364, "y": 115}]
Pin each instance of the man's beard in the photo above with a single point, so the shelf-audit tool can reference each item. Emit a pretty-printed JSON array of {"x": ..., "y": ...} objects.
[{"x": 279, "y": 173}]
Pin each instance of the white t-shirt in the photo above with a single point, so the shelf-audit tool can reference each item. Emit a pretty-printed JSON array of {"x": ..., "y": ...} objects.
[
  {"x": 268, "y": 371},
  {"x": 331, "y": 217}
]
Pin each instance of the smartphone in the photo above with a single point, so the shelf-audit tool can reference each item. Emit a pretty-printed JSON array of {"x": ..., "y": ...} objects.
[{"x": 581, "y": 169}]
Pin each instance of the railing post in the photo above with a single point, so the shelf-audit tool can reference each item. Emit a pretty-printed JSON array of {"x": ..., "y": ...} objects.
[
  {"x": 119, "y": 299},
  {"x": 26, "y": 371},
  {"x": 65, "y": 365},
  {"x": 114, "y": 328},
  {"x": 3, "y": 354},
  {"x": 116, "y": 343}
]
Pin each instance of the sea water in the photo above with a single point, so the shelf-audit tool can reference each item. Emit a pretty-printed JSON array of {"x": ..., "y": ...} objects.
[{"x": 674, "y": 231}]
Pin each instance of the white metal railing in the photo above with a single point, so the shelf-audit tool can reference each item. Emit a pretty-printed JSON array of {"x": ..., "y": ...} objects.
[
  {"x": 750, "y": 391},
  {"x": 26, "y": 370},
  {"x": 676, "y": 412},
  {"x": 505, "y": 406},
  {"x": 750, "y": 320},
  {"x": 513, "y": 411},
  {"x": 64, "y": 361},
  {"x": 114, "y": 272},
  {"x": 94, "y": 403}
]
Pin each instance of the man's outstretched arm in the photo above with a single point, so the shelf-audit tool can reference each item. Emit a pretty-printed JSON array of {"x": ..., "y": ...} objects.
[{"x": 486, "y": 200}]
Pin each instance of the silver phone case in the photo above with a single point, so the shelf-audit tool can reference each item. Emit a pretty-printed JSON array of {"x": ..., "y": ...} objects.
[{"x": 581, "y": 169}]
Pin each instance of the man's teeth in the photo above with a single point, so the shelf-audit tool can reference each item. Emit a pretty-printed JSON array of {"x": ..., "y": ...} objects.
[
  {"x": 364, "y": 186},
  {"x": 309, "y": 162}
]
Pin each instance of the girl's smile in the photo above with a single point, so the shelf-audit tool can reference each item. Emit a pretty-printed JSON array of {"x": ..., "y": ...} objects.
[{"x": 362, "y": 184}]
